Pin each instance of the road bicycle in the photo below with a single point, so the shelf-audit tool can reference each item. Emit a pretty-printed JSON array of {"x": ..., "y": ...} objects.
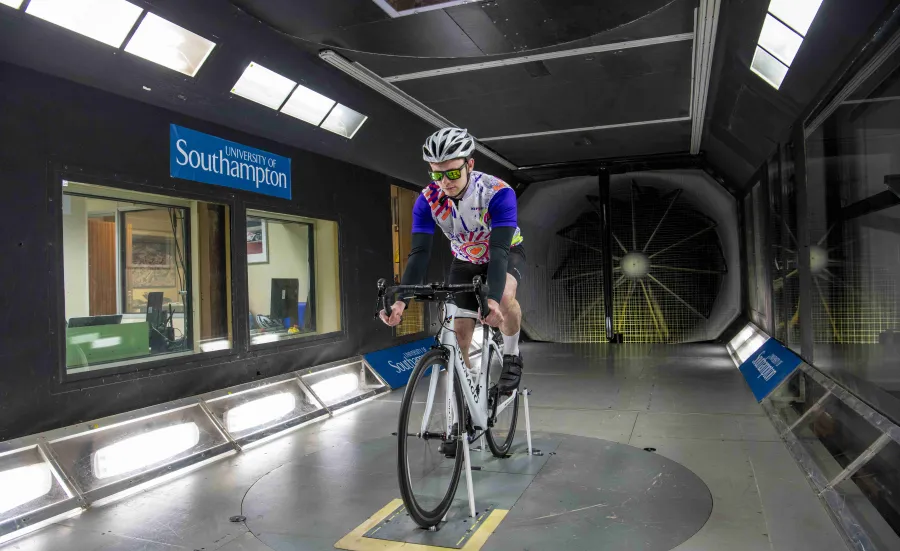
[{"x": 433, "y": 436}]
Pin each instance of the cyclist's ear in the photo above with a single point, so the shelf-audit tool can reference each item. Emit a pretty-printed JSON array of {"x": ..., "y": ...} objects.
[{"x": 471, "y": 163}]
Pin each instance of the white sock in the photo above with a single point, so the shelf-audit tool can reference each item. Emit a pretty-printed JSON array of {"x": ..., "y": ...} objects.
[{"x": 511, "y": 344}]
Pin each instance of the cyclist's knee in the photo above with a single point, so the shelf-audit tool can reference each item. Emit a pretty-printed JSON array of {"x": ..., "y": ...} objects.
[
  {"x": 509, "y": 293},
  {"x": 464, "y": 328}
]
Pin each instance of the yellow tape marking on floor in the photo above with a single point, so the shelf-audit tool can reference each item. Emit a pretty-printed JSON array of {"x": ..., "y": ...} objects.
[{"x": 356, "y": 540}]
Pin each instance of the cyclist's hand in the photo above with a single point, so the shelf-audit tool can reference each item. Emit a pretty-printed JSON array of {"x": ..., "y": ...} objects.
[
  {"x": 495, "y": 316},
  {"x": 396, "y": 314}
]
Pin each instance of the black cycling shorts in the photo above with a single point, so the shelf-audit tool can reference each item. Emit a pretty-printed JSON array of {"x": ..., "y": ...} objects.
[{"x": 462, "y": 272}]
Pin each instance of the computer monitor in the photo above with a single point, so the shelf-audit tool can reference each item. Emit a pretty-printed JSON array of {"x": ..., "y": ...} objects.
[
  {"x": 93, "y": 321},
  {"x": 155, "y": 314},
  {"x": 285, "y": 296},
  {"x": 156, "y": 321}
]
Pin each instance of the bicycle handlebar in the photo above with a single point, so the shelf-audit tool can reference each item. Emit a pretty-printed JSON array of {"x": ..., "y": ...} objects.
[{"x": 430, "y": 291}]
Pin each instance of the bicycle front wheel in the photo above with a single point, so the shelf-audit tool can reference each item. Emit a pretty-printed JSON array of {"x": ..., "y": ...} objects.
[
  {"x": 430, "y": 440},
  {"x": 502, "y": 407}
]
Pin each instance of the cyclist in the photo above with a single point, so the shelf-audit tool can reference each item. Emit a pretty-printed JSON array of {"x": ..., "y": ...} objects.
[{"x": 478, "y": 214}]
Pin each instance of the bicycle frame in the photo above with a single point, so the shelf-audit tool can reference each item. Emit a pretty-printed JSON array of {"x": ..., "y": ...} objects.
[{"x": 474, "y": 389}]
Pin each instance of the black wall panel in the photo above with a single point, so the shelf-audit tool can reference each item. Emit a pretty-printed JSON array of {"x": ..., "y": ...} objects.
[{"x": 51, "y": 127}]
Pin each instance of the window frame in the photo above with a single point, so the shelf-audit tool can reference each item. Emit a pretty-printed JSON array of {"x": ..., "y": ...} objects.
[
  {"x": 137, "y": 367},
  {"x": 238, "y": 204},
  {"x": 285, "y": 213}
]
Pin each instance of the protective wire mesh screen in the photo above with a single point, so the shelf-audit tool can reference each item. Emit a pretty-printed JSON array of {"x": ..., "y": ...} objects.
[
  {"x": 576, "y": 287},
  {"x": 854, "y": 295},
  {"x": 785, "y": 266},
  {"x": 667, "y": 269},
  {"x": 668, "y": 265}
]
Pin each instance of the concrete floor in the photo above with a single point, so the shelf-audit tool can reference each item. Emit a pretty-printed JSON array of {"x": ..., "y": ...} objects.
[{"x": 688, "y": 402}]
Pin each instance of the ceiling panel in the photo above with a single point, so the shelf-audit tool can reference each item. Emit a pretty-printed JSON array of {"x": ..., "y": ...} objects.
[
  {"x": 492, "y": 27},
  {"x": 598, "y": 144},
  {"x": 674, "y": 18},
  {"x": 530, "y": 24},
  {"x": 612, "y": 88},
  {"x": 428, "y": 34},
  {"x": 313, "y": 16}
]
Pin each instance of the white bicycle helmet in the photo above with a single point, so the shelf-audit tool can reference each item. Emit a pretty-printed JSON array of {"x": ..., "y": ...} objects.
[{"x": 448, "y": 143}]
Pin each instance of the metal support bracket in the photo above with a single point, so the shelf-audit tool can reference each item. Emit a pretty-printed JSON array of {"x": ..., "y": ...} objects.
[
  {"x": 863, "y": 458},
  {"x": 70, "y": 484},
  {"x": 215, "y": 421},
  {"x": 813, "y": 409}
]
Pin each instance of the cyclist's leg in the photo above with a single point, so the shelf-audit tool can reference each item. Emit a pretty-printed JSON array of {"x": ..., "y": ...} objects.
[
  {"x": 512, "y": 315},
  {"x": 512, "y": 321},
  {"x": 465, "y": 327},
  {"x": 463, "y": 273}
]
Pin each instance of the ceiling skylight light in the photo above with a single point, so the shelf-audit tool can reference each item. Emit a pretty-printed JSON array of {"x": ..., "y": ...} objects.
[
  {"x": 169, "y": 45},
  {"x": 783, "y": 32},
  {"x": 798, "y": 14},
  {"x": 263, "y": 86},
  {"x": 770, "y": 69},
  {"x": 108, "y": 21},
  {"x": 307, "y": 105},
  {"x": 344, "y": 121},
  {"x": 12, "y": 3},
  {"x": 779, "y": 40}
]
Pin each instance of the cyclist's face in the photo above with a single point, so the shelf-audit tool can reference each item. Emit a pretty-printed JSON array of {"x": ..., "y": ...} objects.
[{"x": 452, "y": 188}]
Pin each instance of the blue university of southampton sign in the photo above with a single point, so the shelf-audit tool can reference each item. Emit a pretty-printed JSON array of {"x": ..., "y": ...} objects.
[
  {"x": 203, "y": 158},
  {"x": 395, "y": 364},
  {"x": 766, "y": 368}
]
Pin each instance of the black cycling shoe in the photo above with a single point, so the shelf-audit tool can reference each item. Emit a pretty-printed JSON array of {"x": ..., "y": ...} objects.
[
  {"x": 512, "y": 373},
  {"x": 448, "y": 447}
]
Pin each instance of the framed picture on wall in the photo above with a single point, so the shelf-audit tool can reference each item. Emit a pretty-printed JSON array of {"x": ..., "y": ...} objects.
[{"x": 257, "y": 241}]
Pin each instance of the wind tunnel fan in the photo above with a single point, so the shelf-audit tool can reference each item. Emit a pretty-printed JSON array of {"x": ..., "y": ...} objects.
[
  {"x": 668, "y": 268},
  {"x": 853, "y": 294}
]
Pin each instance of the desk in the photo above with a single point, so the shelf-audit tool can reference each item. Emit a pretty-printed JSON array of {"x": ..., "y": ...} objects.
[{"x": 87, "y": 346}]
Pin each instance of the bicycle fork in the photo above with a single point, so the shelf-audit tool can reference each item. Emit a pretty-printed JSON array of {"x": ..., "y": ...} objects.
[{"x": 452, "y": 415}]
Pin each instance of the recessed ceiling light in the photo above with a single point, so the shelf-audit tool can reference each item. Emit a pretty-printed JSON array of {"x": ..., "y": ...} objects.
[
  {"x": 24, "y": 484},
  {"x": 307, "y": 105},
  {"x": 770, "y": 69},
  {"x": 171, "y": 46},
  {"x": 798, "y": 14},
  {"x": 779, "y": 40},
  {"x": 108, "y": 21},
  {"x": 147, "y": 88},
  {"x": 12, "y": 3},
  {"x": 263, "y": 86},
  {"x": 344, "y": 121}
]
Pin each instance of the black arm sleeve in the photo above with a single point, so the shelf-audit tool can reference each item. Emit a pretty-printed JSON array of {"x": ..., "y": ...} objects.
[
  {"x": 501, "y": 239},
  {"x": 417, "y": 261}
]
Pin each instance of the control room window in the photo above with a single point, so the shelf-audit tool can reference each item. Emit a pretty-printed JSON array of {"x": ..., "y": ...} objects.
[
  {"x": 292, "y": 277},
  {"x": 144, "y": 276}
]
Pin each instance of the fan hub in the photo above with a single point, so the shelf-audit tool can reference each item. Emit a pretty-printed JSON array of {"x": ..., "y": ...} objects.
[
  {"x": 635, "y": 265},
  {"x": 818, "y": 259}
]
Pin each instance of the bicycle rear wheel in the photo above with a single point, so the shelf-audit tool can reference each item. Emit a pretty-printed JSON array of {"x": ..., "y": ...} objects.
[
  {"x": 500, "y": 436},
  {"x": 423, "y": 453}
]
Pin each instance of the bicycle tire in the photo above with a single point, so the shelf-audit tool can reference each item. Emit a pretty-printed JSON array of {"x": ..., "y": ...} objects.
[
  {"x": 420, "y": 514},
  {"x": 498, "y": 442}
]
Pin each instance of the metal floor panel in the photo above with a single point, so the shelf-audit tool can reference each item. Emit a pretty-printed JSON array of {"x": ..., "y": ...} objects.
[{"x": 685, "y": 401}]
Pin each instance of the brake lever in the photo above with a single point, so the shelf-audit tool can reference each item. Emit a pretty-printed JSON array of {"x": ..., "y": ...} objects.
[
  {"x": 481, "y": 292},
  {"x": 381, "y": 299}
]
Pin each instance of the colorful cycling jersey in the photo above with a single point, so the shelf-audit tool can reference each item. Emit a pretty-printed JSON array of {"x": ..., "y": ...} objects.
[{"x": 488, "y": 202}]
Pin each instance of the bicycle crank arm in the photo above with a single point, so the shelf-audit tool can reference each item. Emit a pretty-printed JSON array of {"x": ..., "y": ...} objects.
[{"x": 425, "y": 435}]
